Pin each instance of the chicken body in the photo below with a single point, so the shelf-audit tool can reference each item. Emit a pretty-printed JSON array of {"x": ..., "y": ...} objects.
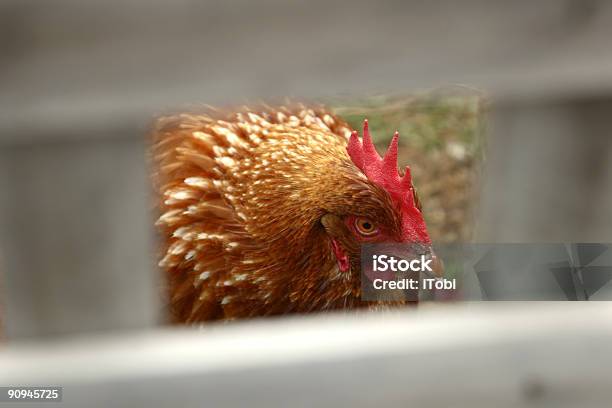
[{"x": 258, "y": 209}]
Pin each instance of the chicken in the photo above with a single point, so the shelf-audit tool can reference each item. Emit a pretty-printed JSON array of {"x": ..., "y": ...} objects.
[{"x": 262, "y": 210}]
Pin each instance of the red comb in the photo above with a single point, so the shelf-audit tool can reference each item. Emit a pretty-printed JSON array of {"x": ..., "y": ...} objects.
[{"x": 383, "y": 171}]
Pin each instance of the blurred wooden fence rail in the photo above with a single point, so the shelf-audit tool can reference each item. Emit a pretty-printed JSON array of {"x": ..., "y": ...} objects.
[
  {"x": 486, "y": 355},
  {"x": 76, "y": 70},
  {"x": 80, "y": 81}
]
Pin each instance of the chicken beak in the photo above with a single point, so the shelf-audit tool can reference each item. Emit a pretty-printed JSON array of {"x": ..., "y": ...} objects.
[{"x": 437, "y": 266}]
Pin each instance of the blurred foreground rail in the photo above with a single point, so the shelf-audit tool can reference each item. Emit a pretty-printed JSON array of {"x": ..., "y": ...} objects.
[{"x": 478, "y": 355}]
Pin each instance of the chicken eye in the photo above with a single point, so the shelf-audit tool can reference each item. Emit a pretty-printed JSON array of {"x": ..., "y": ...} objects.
[{"x": 365, "y": 226}]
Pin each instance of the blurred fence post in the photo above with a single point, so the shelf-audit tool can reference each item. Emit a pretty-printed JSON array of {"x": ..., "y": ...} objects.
[
  {"x": 75, "y": 237},
  {"x": 547, "y": 173}
]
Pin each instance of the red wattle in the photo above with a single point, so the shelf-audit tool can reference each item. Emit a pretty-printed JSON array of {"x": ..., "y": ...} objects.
[{"x": 341, "y": 257}]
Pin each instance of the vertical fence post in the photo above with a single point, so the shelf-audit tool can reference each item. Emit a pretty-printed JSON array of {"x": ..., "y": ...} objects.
[
  {"x": 75, "y": 220},
  {"x": 548, "y": 172}
]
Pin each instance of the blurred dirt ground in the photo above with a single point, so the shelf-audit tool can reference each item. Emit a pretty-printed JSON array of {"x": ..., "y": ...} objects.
[{"x": 441, "y": 139}]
